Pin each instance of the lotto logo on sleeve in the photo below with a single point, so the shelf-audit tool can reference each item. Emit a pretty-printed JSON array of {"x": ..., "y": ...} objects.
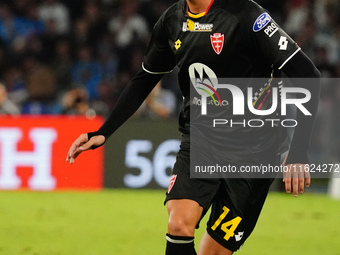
[{"x": 261, "y": 22}]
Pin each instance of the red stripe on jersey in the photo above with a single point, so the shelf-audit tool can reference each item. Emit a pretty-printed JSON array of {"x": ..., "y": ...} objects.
[
  {"x": 264, "y": 99},
  {"x": 209, "y": 6}
]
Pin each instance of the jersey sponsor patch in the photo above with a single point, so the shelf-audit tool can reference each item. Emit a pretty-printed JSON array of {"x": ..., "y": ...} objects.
[
  {"x": 271, "y": 29},
  {"x": 217, "y": 42},
  {"x": 192, "y": 26},
  {"x": 172, "y": 182},
  {"x": 261, "y": 22}
]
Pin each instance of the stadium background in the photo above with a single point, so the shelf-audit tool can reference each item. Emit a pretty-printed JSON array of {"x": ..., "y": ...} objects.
[
  {"x": 74, "y": 58},
  {"x": 63, "y": 65}
]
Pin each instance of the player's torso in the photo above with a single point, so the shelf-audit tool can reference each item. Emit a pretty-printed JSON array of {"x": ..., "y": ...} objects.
[
  {"x": 216, "y": 40},
  {"x": 214, "y": 47}
]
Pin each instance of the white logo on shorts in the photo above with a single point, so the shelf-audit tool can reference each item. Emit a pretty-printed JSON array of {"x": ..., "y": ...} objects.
[{"x": 239, "y": 236}]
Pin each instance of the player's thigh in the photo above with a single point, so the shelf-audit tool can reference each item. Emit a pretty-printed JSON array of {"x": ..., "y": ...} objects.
[
  {"x": 188, "y": 199},
  {"x": 235, "y": 211}
]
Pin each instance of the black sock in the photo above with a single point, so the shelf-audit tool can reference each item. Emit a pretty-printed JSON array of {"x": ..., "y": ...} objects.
[{"x": 180, "y": 245}]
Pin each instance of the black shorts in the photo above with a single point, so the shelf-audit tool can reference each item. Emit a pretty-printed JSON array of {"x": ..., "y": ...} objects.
[{"x": 235, "y": 203}]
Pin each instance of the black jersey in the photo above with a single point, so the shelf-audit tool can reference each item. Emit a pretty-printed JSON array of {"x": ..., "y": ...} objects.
[
  {"x": 251, "y": 43},
  {"x": 232, "y": 39}
]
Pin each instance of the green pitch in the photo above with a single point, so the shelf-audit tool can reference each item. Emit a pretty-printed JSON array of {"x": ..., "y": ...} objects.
[{"x": 127, "y": 222}]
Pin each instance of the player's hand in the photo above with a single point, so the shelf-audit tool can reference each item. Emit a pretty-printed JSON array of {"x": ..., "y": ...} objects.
[
  {"x": 296, "y": 177},
  {"x": 83, "y": 144}
]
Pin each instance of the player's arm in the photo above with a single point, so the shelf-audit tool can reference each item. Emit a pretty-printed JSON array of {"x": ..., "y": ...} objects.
[
  {"x": 159, "y": 60},
  {"x": 129, "y": 101},
  {"x": 278, "y": 48},
  {"x": 305, "y": 75}
]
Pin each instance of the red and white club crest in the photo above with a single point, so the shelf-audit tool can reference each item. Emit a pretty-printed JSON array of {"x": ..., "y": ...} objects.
[
  {"x": 217, "y": 42},
  {"x": 172, "y": 182}
]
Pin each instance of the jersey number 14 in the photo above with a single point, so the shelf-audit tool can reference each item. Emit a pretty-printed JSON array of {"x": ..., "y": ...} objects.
[{"x": 228, "y": 227}]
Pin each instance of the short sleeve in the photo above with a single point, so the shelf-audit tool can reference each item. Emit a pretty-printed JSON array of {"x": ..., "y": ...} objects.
[
  {"x": 159, "y": 58},
  {"x": 270, "y": 39}
]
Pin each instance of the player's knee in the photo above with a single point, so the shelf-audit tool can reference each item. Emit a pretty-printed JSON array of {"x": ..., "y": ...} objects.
[
  {"x": 183, "y": 217},
  {"x": 179, "y": 226}
]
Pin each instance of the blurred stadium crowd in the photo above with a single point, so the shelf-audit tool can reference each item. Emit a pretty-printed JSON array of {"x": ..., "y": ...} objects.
[{"x": 75, "y": 57}]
